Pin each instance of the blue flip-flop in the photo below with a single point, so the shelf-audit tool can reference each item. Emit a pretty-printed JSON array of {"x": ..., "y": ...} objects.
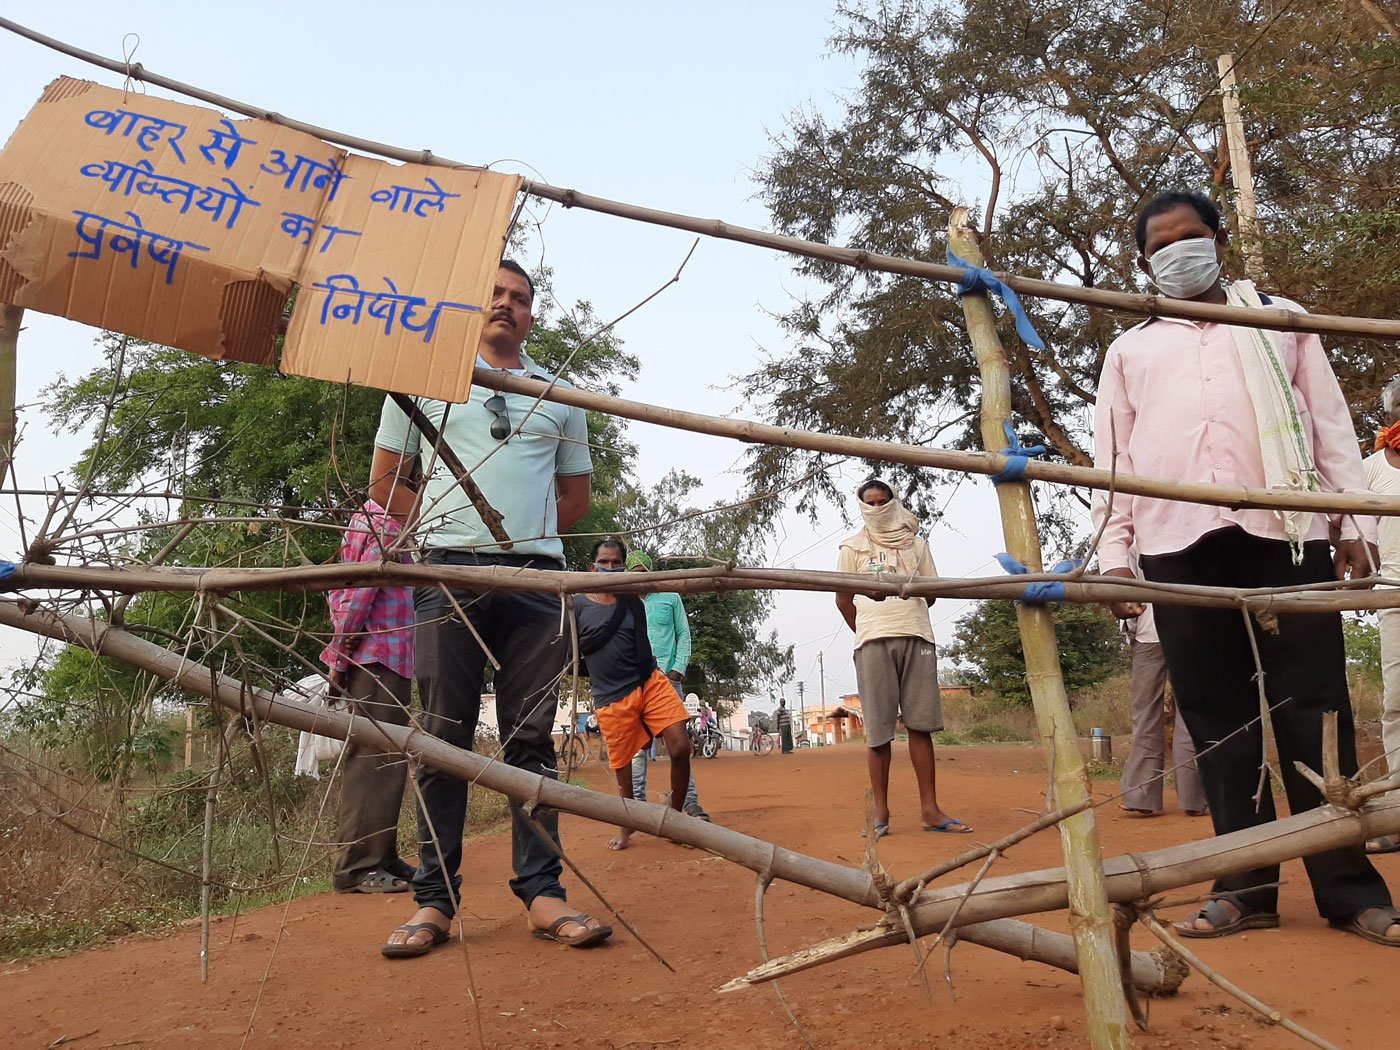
[
  {"x": 951, "y": 826},
  {"x": 881, "y": 830}
]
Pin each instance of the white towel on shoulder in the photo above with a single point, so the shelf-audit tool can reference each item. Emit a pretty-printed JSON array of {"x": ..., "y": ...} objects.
[{"x": 1288, "y": 459}]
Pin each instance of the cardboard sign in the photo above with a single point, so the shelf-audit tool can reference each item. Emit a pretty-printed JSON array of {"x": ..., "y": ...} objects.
[{"x": 175, "y": 224}]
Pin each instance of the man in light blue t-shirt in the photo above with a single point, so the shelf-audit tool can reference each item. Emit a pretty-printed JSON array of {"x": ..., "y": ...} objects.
[{"x": 530, "y": 460}]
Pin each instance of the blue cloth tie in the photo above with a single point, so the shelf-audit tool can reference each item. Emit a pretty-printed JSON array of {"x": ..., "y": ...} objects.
[
  {"x": 7, "y": 569},
  {"x": 980, "y": 278},
  {"x": 1017, "y": 457},
  {"x": 1044, "y": 592}
]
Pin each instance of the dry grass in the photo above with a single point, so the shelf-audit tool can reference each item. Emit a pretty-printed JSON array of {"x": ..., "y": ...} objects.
[{"x": 130, "y": 858}]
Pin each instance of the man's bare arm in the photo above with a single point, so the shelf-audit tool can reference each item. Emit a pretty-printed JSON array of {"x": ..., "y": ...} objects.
[
  {"x": 847, "y": 604},
  {"x": 390, "y": 485},
  {"x": 575, "y": 492}
]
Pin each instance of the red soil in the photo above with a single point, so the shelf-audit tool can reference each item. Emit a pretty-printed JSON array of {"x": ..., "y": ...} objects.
[{"x": 310, "y": 975}]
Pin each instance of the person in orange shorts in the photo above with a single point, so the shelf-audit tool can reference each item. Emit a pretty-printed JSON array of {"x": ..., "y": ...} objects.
[{"x": 632, "y": 699}]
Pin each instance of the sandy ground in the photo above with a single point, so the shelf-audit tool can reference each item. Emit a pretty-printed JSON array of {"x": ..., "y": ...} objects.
[{"x": 310, "y": 975}]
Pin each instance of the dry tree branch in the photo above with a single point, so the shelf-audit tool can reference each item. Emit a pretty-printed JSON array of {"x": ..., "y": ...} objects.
[
  {"x": 764, "y": 878},
  {"x": 1269, "y": 748},
  {"x": 1215, "y": 978},
  {"x": 528, "y": 810}
]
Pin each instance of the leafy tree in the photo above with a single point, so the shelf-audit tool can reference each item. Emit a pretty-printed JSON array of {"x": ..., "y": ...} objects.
[
  {"x": 761, "y": 720},
  {"x": 987, "y": 645},
  {"x": 1069, "y": 116}
]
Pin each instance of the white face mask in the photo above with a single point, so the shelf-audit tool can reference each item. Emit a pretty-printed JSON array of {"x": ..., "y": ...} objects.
[{"x": 1186, "y": 268}]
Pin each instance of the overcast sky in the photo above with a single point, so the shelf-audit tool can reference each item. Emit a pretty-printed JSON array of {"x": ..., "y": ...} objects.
[{"x": 668, "y": 106}]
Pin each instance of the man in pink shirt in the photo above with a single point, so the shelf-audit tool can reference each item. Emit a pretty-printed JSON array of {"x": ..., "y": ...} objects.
[
  {"x": 1178, "y": 399},
  {"x": 370, "y": 661}
]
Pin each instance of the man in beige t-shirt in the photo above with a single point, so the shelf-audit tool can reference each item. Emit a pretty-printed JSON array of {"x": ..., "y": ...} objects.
[{"x": 896, "y": 664}]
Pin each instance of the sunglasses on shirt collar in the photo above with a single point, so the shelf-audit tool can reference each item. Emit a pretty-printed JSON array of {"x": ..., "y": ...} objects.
[{"x": 500, "y": 423}]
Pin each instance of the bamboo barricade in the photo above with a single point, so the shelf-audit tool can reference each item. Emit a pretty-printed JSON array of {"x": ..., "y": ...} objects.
[
  {"x": 1159, "y": 972},
  {"x": 1127, "y": 302},
  {"x": 1131, "y": 878},
  {"x": 1090, "y": 920},
  {"x": 1311, "y": 598}
]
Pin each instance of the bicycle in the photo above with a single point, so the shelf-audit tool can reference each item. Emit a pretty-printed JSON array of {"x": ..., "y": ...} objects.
[
  {"x": 573, "y": 749},
  {"x": 761, "y": 743}
]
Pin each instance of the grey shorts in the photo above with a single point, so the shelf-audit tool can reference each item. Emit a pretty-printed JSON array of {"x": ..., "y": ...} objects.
[{"x": 898, "y": 677}]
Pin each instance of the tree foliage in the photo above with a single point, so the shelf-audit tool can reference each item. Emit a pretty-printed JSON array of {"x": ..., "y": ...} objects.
[
  {"x": 987, "y": 646},
  {"x": 1060, "y": 120},
  {"x": 1363, "y": 647}
]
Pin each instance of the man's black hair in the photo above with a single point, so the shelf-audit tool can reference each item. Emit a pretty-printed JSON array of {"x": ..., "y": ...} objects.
[
  {"x": 607, "y": 541},
  {"x": 872, "y": 482},
  {"x": 515, "y": 267},
  {"x": 1170, "y": 201}
]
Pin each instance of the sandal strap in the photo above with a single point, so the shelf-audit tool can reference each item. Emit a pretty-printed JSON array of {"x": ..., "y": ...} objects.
[
  {"x": 1377, "y": 920},
  {"x": 558, "y": 924}
]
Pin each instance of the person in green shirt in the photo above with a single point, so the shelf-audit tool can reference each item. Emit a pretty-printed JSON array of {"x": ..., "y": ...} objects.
[{"x": 668, "y": 630}]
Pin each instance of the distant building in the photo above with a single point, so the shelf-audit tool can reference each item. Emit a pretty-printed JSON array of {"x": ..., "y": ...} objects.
[{"x": 835, "y": 723}]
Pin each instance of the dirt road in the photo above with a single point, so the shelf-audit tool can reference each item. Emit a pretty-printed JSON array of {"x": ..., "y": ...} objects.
[{"x": 310, "y": 975}]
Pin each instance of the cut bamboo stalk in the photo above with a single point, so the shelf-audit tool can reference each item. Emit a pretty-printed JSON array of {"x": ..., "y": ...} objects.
[
  {"x": 1154, "y": 971},
  {"x": 1090, "y": 919},
  {"x": 1087, "y": 589}
]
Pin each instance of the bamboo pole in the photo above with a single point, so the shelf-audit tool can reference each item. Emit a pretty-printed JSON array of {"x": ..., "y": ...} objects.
[
  {"x": 1087, "y": 589},
  {"x": 1090, "y": 919},
  {"x": 1155, "y": 972},
  {"x": 1129, "y": 878},
  {"x": 1240, "y": 171},
  {"x": 11, "y": 318},
  {"x": 1233, "y": 496},
  {"x": 1128, "y": 302}
]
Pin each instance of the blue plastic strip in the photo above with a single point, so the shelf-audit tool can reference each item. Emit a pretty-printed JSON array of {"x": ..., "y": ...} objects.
[
  {"x": 1042, "y": 592},
  {"x": 975, "y": 278},
  {"x": 1017, "y": 457}
]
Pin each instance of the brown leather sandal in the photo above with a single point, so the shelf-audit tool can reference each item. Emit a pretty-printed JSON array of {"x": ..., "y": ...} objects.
[{"x": 1221, "y": 925}]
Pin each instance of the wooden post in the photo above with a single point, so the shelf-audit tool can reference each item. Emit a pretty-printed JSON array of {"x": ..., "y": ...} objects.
[
  {"x": 10, "y": 320},
  {"x": 1240, "y": 172},
  {"x": 189, "y": 736},
  {"x": 1090, "y": 920}
]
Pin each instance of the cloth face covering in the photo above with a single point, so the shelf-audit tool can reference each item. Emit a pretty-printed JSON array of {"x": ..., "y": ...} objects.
[
  {"x": 1186, "y": 268},
  {"x": 1389, "y": 437},
  {"x": 890, "y": 525}
]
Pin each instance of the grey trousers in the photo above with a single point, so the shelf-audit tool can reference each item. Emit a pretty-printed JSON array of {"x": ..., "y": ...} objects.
[
  {"x": 371, "y": 782},
  {"x": 1142, "y": 773}
]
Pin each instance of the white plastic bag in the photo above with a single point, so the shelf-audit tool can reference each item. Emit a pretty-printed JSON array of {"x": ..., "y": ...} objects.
[{"x": 313, "y": 749}]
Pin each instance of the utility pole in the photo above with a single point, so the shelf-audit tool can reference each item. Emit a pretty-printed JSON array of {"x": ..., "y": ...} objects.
[
  {"x": 821, "y": 680},
  {"x": 1240, "y": 172},
  {"x": 802, "y": 705}
]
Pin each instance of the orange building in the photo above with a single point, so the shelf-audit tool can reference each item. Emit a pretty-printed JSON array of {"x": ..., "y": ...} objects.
[{"x": 836, "y": 724}]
